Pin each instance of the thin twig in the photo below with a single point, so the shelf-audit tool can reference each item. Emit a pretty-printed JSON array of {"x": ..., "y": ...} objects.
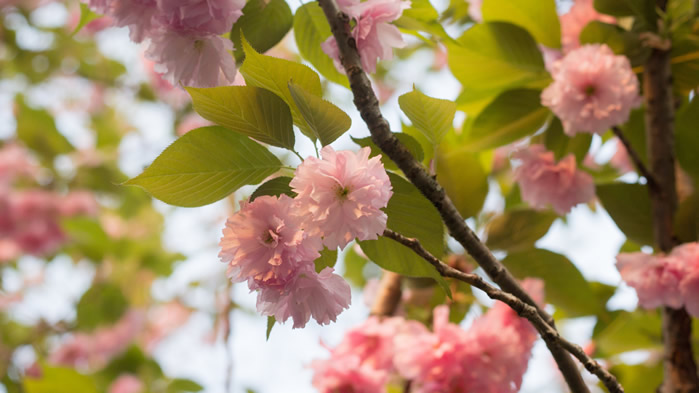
[
  {"x": 548, "y": 333},
  {"x": 652, "y": 183},
  {"x": 368, "y": 105}
]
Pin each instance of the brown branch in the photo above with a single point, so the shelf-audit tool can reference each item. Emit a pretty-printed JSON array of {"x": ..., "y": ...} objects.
[
  {"x": 388, "y": 296},
  {"x": 553, "y": 339},
  {"x": 636, "y": 158},
  {"x": 366, "y": 102},
  {"x": 680, "y": 367}
]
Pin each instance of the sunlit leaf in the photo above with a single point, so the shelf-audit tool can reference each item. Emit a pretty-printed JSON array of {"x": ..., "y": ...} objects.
[
  {"x": 325, "y": 120},
  {"x": 630, "y": 208},
  {"x": 539, "y": 17},
  {"x": 431, "y": 116},
  {"x": 264, "y": 24}
]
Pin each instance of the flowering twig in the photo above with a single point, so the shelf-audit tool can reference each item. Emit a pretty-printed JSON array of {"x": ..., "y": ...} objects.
[
  {"x": 680, "y": 367},
  {"x": 368, "y": 105},
  {"x": 635, "y": 158},
  {"x": 550, "y": 335}
]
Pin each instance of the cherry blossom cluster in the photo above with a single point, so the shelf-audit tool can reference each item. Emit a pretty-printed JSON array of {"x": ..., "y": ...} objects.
[
  {"x": 593, "y": 89},
  {"x": 184, "y": 37},
  {"x": 272, "y": 242},
  {"x": 127, "y": 383},
  {"x": 30, "y": 218},
  {"x": 489, "y": 357},
  {"x": 670, "y": 280},
  {"x": 544, "y": 182},
  {"x": 373, "y": 33}
]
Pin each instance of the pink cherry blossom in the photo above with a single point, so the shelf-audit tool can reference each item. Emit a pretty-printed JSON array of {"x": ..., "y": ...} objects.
[
  {"x": 78, "y": 203},
  {"x": 474, "y": 10},
  {"x": 127, "y": 383},
  {"x": 162, "y": 321},
  {"x": 343, "y": 193},
  {"x": 544, "y": 182},
  {"x": 191, "y": 60},
  {"x": 137, "y": 15},
  {"x": 264, "y": 244},
  {"x": 200, "y": 17},
  {"x": 689, "y": 287},
  {"x": 322, "y": 296},
  {"x": 190, "y": 122},
  {"x": 347, "y": 375},
  {"x": 574, "y": 21},
  {"x": 15, "y": 161},
  {"x": 656, "y": 279},
  {"x": 593, "y": 89},
  {"x": 374, "y": 35},
  {"x": 372, "y": 342}
]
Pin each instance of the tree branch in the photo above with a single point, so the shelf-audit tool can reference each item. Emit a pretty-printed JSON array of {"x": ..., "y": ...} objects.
[
  {"x": 680, "y": 367},
  {"x": 553, "y": 339},
  {"x": 368, "y": 106},
  {"x": 638, "y": 163},
  {"x": 388, "y": 295}
]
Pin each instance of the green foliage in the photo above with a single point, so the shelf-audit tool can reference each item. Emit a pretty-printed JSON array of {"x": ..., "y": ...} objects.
[
  {"x": 327, "y": 258},
  {"x": 639, "y": 378},
  {"x": 252, "y": 111},
  {"x": 276, "y": 187},
  {"x": 275, "y": 74},
  {"x": 621, "y": 41},
  {"x": 642, "y": 10},
  {"x": 37, "y": 129},
  {"x": 687, "y": 137},
  {"x": 86, "y": 16},
  {"x": 514, "y": 114},
  {"x": 102, "y": 304},
  {"x": 406, "y": 204},
  {"x": 270, "y": 324},
  {"x": 204, "y": 166},
  {"x": 310, "y": 30},
  {"x": 264, "y": 24},
  {"x": 497, "y": 56},
  {"x": 539, "y": 17},
  {"x": 421, "y": 16},
  {"x": 433, "y": 117},
  {"x": 561, "y": 144},
  {"x": 463, "y": 178},
  {"x": 565, "y": 286},
  {"x": 354, "y": 268},
  {"x": 518, "y": 230},
  {"x": 685, "y": 64},
  {"x": 629, "y": 207},
  {"x": 408, "y": 141},
  {"x": 179, "y": 385},
  {"x": 325, "y": 120},
  {"x": 628, "y": 331},
  {"x": 88, "y": 235},
  {"x": 59, "y": 380}
]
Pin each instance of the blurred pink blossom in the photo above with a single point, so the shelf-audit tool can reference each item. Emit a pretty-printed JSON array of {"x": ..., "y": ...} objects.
[
  {"x": 15, "y": 161},
  {"x": 664, "y": 280},
  {"x": 189, "y": 122},
  {"x": 127, "y": 383},
  {"x": 574, "y": 21},
  {"x": 474, "y": 10},
  {"x": 162, "y": 321},
  {"x": 347, "y": 376},
  {"x": 621, "y": 160},
  {"x": 544, "y": 182},
  {"x": 343, "y": 193},
  {"x": 593, "y": 89}
]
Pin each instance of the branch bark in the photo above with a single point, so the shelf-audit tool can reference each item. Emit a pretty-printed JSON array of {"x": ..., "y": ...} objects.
[
  {"x": 388, "y": 295},
  {"x": 553, "y": 339},
  {"x": 680, "y": 367},
  {"x": 368, "y": 106},
  {"x": 636, "y": 158}
]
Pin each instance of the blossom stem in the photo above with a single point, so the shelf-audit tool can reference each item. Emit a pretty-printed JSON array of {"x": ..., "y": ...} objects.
[
  {"x": 368, "y": 105},
  {"x": 547, "y": 332},
  {"x": 299, "y": 155},
  {"x": 635, "y": 157},
  {"x": 680, "y": 367}
]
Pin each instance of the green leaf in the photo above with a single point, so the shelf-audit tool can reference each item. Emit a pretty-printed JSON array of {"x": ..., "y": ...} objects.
[
  {"x": 325, "y": 120},
  {"x": 310, "y": 30},
  {"x": 87, "y": 235},
  {"x": 685, "y": 64},
  {"x": 518, "y": 230},
  {"x": 275, "y": 74},
  {"x": 497, "y": 56},
  {"x": 86, "y": 16},
  {"x": 630, "y": 208},
  {"x": 463, "y": 178},
  {"x": 275, "y": 187},
  {"x": 421, "y": 16},
  {"x": 59, "y": 380},
  {"x": 639, "y": 378},
  {"x": 565, "y": 286},
  {"x": 687, "y": 137},
  {"x": 628, "y": 331},
  {"x": 621, "y": 41},
  {"x": 264, "y": 24},
  {"x": 410, "y": 143},
  {"x": 327, "y": 258},
  {"x": 407, "y": 203},
  {"x": 561, "y": 144},
  {"x": 102, "y": 304},
  {"x": 354, "y": 268},
  {"x": 179, "y": 385},
  {"x": 204, "y": 166},
  {"x": 539, "y": 17},
  {"x": 37, "y": 129},
  {"x": 686, "y": 223},
  {"x": 270, "y": 324},
  {"x": 249, "y": 110},
  {"x": 433, "y": 117},
  {"x": 643, "y": 10},
  {"x": 513, "y": 115}
]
